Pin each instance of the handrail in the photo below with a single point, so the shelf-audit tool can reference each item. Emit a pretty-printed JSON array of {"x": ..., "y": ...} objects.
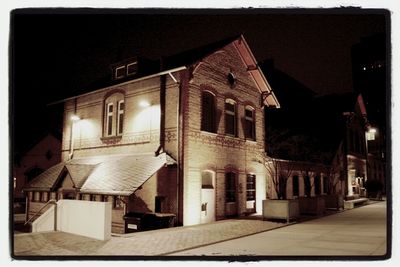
[{"x": 51, "y": 201}]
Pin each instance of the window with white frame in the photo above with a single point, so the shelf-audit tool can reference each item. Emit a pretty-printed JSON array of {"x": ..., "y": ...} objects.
[
  {"x": 114, "y": 109},
  {"x": 120, "y": 72},
  {"x": 109, "y": 118},
  {"x": 230, "y": 117},
  {"x": 251, "y": 187},
  {"x": 250, "y": 129},
  {"x": 120, "y": 119}
]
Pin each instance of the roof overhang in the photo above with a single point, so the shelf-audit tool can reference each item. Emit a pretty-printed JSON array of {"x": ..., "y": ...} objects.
[
  {"x": 169, "y": 72},
  {"x": 269, "y": 99}
]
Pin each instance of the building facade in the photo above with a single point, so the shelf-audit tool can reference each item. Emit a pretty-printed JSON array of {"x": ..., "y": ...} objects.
[{"x": 187, "y": 140}]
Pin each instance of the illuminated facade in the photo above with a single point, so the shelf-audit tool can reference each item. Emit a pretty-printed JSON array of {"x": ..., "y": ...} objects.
[{"x": 187, "y": 140}]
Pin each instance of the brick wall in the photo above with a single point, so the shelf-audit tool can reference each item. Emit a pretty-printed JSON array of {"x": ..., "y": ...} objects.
[{"x": 203, "y": 149}]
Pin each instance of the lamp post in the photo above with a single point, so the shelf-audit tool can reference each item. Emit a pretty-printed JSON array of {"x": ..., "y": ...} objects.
[{"x": 74, "y": 118}]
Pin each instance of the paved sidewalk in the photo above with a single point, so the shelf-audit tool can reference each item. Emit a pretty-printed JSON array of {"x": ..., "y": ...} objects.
[
  {"x": 148, "y": 243},
  {"x": 363, "y": 227},
  {"x": 357, "y": 232}
]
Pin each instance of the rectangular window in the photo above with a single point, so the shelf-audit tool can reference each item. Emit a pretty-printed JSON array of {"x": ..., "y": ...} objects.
[
  {"x": 307, "y": 186},
  {"x": 120, "y": 72},
  {"x": 230, "y": 118},
  {"x": 250, "y": 132},
  {"x": 317, "y": 185},
  {"x": 109, "y": 122},
  {"x": 325, "y": 185},
  {"x": 208, "y": 113},
  {"x": 230, "y": 187},
  {"x": 159, "y": 203},
  {"x": 131, "y": 68},
  {"x": 120, "y": 121},
  {"x": 251, "y": 187},
  {"x": 295, "y": 183}
]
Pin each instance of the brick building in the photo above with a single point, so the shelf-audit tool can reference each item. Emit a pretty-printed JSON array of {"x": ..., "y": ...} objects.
[{"x": 186, "y": 140}]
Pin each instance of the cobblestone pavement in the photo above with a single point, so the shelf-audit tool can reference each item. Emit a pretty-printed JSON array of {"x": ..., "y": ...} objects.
[{"x": 151, "y": 243}]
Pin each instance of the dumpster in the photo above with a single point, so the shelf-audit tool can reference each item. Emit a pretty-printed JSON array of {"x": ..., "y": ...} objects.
[{"x": 135, "y": 222}]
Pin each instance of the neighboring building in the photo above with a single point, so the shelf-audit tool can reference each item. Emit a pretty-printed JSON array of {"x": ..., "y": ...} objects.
[
  {"x": 187, "y": 140},
  {"x": 370, "y": 78},
  {"x": 36, "y": 160},
  {"x": 294, "y": 179},
  {"x": 352, "y": 158}
]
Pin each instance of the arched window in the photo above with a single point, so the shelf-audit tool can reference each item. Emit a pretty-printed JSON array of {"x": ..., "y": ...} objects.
[
  {"x": 208, "y": 113},
  {"x": 230, "y": 117},
  {"x": 250, "y": 123},
  {"x": 114, "y": 115}
]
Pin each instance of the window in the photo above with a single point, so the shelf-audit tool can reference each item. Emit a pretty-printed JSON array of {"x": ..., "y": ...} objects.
[
  {"x": 120, "y": 72},
  {"x": 159, "y": 203},
  {"x": 250, "y": 129},
  {"x": 295, "y": 183},
  {"x": 207, "y": 180},
  {"x": 208, "y": 112},
  {"x": 325, "y": 185},
  {"x": 131, "y": 68},
  {"x": 307, "y": 186},
  {"x": 109, "y": 116},
  {"x": 230, "y": 117},
  {"x": 317, "y": 184},
  {"x": 114, "y": 110},
  {"x": 120, "y": 121},
  {"x": 231, "y": 79},
  {"x": 230, "y": 187},
  {"x": 251, "y": 187}
]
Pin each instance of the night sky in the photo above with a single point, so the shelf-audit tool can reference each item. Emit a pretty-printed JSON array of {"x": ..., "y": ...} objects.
[{"x": 58, "y": 54}]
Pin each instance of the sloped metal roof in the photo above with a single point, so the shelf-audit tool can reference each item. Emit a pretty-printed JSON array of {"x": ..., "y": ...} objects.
[{"x": 111, "y": 174}]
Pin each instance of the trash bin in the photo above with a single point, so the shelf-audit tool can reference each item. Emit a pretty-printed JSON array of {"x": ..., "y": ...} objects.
[{"x": 133, "y": 222}]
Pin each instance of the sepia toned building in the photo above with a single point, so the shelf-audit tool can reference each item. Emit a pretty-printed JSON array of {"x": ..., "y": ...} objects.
[{"x": 186, "y": 141}]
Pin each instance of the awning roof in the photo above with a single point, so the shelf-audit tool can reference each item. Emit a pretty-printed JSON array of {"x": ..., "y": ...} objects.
[{"x": 114, "y": 174}]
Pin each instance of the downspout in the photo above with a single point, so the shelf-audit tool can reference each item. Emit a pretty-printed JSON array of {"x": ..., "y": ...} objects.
[
  {"x": 163, "y": 82},
  {"x": 72, "y": 137}
]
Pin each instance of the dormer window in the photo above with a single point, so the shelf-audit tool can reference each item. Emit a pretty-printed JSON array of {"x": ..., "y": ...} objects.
[
  {"x": 120, "y": 72},
  {"x": 125, "y": 69},
  {"x": 131, "y": 68}
]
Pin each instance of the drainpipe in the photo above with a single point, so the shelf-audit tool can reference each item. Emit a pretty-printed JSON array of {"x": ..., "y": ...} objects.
[
  {"x": 72, "y": 137},
  {"x": 163, "y": 82}
]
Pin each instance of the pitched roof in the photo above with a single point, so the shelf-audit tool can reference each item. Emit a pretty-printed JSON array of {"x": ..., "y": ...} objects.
[
  {"x": 114, "y": 174},
  {"x": 182, "y": 60},
  {"x": 123, "y": 175}
]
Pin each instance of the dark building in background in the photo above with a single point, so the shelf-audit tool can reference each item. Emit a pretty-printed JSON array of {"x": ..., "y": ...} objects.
[{"x": 369, "y": 66}]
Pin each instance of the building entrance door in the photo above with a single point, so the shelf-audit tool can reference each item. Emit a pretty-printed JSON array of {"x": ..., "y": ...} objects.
[{"x": 207, "y": 197}]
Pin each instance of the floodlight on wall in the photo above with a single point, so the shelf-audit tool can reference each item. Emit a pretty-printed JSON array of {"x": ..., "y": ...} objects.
[
  {"x": 144, "y": 104},
  {"x": 75, "y": 118}
]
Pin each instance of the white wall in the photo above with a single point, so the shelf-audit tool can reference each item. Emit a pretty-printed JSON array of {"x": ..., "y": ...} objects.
[
  {"x": 45, "y": 222},
  {"x": 86, "y": 218}
]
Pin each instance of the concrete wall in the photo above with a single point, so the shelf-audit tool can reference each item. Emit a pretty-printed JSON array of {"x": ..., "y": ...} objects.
[{"x": 86, "y": 218}]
